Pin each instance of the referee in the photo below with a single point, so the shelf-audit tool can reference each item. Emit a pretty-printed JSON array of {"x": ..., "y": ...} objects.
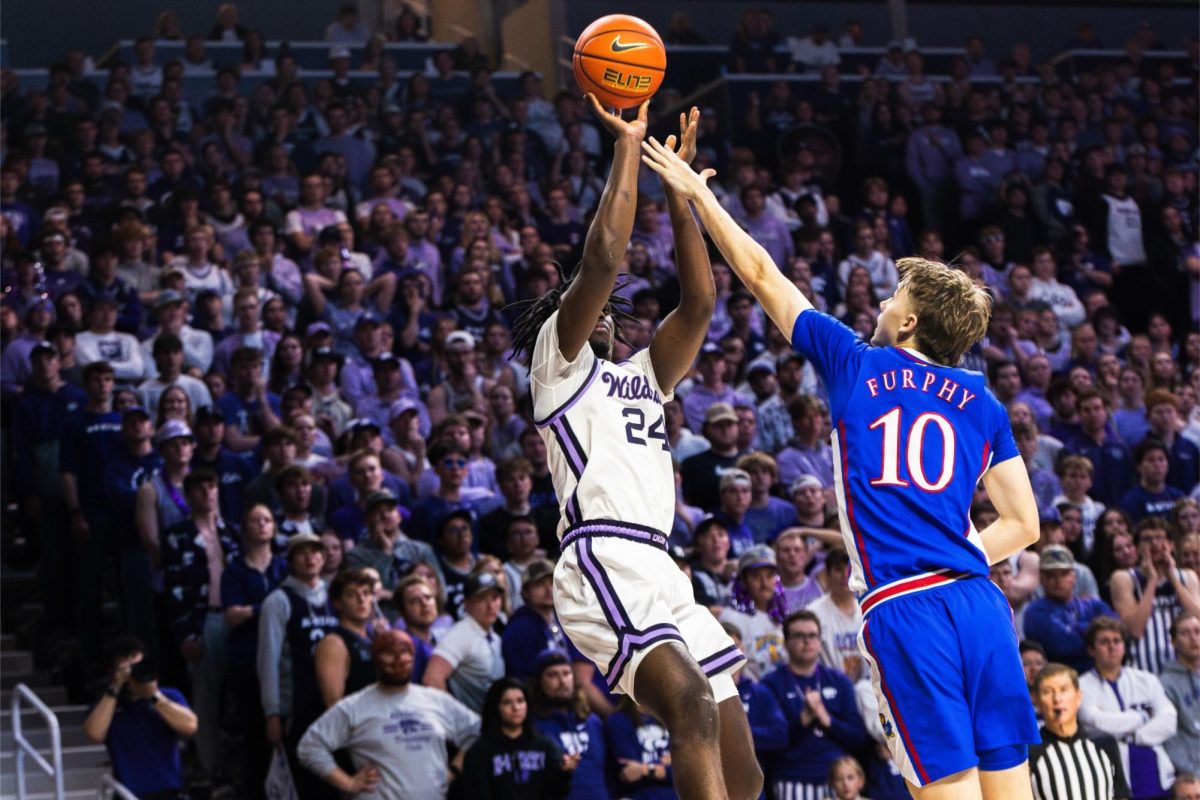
[{"x": 1067, "y": 765}]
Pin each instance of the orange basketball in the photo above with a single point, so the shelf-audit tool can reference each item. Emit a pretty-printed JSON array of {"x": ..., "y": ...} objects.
[{"x": 620, "y": 59}]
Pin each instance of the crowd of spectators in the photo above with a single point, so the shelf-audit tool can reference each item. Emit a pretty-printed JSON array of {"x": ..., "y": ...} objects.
[{"x": 257, "y": 388}]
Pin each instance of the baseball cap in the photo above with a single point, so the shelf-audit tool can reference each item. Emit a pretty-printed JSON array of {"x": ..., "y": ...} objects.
[
  {"x": 760, "y": 365},
  {"x": 326, "y": 354},
  {"x": 361, "y": 423},
  {"x": 43, "y": 347},
  {"x": 481, "y": 582},
  {"x": 299, "y": 540},
  {"x": 551, "y": 657},
  {"x": 805, "y": 481},
  {"x": 758, "y": 556},
  {"x": 402, "y": 406},
  {"x": 386, "y": 360},
  {"x": 733, "y": 477},
  {"x": 788, "y": 356},
  {"x": 720, "y": 412},
  {"x": 380, "y": 498},
  {"x": 41, "y": 304},
  {"x": 315, "y": 328},
  {"x": 537, "y": 569},
  {"x": 207, "y": 414},
  {"x": 711, "y": 349},
  {"x": 105, "y": 298},
  {"x": 168, "y": 297},
  {"x": 1056, "y": 557},
  {"x": 460, "y": 337},
  {"x": 132, "y": 410},
  {"x": 173, "y": 429}
]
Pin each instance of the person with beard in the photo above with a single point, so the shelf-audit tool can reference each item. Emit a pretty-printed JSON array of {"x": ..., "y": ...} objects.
[
  {"x": 533, "y": 628},
  {"x": 396, "y": 732},
  {"x": 560, "y": 712},
  {"x": 511, "y": 760}
]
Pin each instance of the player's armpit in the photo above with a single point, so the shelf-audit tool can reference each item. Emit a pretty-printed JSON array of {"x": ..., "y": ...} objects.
[{"x": 1017, "y": 528}]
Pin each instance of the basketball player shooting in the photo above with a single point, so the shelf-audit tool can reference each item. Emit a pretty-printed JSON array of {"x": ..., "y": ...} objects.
[
  {"x": 618, "y": 595},
  {"x": 912, "y": 437}
]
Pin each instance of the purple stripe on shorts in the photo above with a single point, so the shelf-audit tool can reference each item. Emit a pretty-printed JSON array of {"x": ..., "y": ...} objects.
[
  {"x": 633, "y": 642},
  {"x": 721, "y": 661},
  {"x": 608, "y": 599},
  {"x": 565, "y": 407}
]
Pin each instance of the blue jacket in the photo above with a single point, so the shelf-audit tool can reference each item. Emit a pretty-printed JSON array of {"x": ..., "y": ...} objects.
[
  {"x": 525, "y": 636},
  {"x": 811, "y": 750},
  {"x": 646, "y": 742},
  {"x": 583, "y": 737},
  {"x": 1059, "y": 627},
  {"x": 768, "y": 727}
]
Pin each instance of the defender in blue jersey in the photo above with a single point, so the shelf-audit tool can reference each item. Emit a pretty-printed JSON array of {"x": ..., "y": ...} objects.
[{"x": 912, "y": 438}]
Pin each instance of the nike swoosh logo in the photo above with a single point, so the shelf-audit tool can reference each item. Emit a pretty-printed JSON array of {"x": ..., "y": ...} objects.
[{"x": 618, "y": 47}]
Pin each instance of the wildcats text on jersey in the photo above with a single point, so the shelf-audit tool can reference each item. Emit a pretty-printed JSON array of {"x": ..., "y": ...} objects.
[{"x": 630, "y": 387}]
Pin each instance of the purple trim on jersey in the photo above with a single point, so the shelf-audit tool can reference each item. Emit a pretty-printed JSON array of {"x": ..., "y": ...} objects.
[
  {"x": 573, "y": 399},
  {"x": 721, "y": 660},
  {"x": 575, "y": 459},
  {"x": 632, "y": 642},
  {"x": 609, "y": 602},
  {"x": 615, "y": 529}
]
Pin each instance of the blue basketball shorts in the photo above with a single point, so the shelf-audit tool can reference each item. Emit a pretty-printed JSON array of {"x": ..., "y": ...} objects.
[{"x": 947, "y": 675}]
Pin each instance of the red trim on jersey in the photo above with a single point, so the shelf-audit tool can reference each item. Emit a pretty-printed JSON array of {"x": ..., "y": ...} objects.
[
  {"x": 858, "y": 538},
  {"x": 908, "y": 745},
  {"x": 928, "y": 581}
]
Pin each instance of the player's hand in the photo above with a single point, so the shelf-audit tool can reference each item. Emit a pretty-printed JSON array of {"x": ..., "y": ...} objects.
[
  {"x": 674, "y": 171},
  {"x": 365, "y": 780},
  {"x": 634, "y": 129},
  {"x": 688, "y": 124}
]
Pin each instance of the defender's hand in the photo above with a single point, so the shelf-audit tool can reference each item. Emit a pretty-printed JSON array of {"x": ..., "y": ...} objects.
[{"x": 674, "y": 171}]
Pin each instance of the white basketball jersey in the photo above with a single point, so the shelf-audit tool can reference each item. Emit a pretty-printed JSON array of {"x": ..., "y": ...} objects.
[{"x": 605, "y": 435}]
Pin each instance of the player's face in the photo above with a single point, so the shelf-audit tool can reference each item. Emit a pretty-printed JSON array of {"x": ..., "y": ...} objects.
[
  {"x": 1058, "y": 699},
  {"x": 895, "y": 313},
  {"x": 603, "y": 336}
]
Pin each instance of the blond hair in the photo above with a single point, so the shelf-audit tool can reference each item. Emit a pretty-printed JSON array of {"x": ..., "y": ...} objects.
[{"x": 952, "y": 312}]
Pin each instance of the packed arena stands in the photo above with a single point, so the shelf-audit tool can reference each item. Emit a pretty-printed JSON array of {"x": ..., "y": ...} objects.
[{"x": 260, "y": 407}]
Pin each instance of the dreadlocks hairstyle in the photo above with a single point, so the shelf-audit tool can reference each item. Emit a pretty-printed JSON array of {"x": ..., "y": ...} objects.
[{"x": 535, "y": 312}]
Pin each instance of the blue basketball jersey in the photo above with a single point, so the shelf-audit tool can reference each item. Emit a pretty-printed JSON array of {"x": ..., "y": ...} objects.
[{"x": 911, "y": 440}]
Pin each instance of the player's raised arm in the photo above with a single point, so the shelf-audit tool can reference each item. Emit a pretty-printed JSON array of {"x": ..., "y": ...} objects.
[
  {"x": 778, "y": 296},
  {"x": 678, "y": 339},
  {"x": 1009, "y": 490},
  {"x": 584, "y": 300}
]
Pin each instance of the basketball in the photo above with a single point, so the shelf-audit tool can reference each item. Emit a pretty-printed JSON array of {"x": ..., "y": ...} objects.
[{"x": 620, "y": 59}]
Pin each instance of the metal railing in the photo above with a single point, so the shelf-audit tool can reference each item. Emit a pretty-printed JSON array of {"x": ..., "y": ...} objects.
[
  {"x": 110, "y": 787},
  {"x": 22, "y": 693}
]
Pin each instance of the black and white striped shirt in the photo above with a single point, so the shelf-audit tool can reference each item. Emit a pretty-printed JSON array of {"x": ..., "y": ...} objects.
[
  {"x": 1077, "y": 768},
  {"x": 1154, "y": 648}
]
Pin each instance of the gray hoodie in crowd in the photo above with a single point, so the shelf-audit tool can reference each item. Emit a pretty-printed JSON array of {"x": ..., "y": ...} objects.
[{"x": 1182, "y": 686}]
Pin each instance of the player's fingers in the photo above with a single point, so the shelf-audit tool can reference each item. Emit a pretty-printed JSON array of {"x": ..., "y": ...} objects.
[
  {"x": 644, "y": 110},
  {"x": 708, "y": 173},
  {"x": 670, "y": 142}
]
